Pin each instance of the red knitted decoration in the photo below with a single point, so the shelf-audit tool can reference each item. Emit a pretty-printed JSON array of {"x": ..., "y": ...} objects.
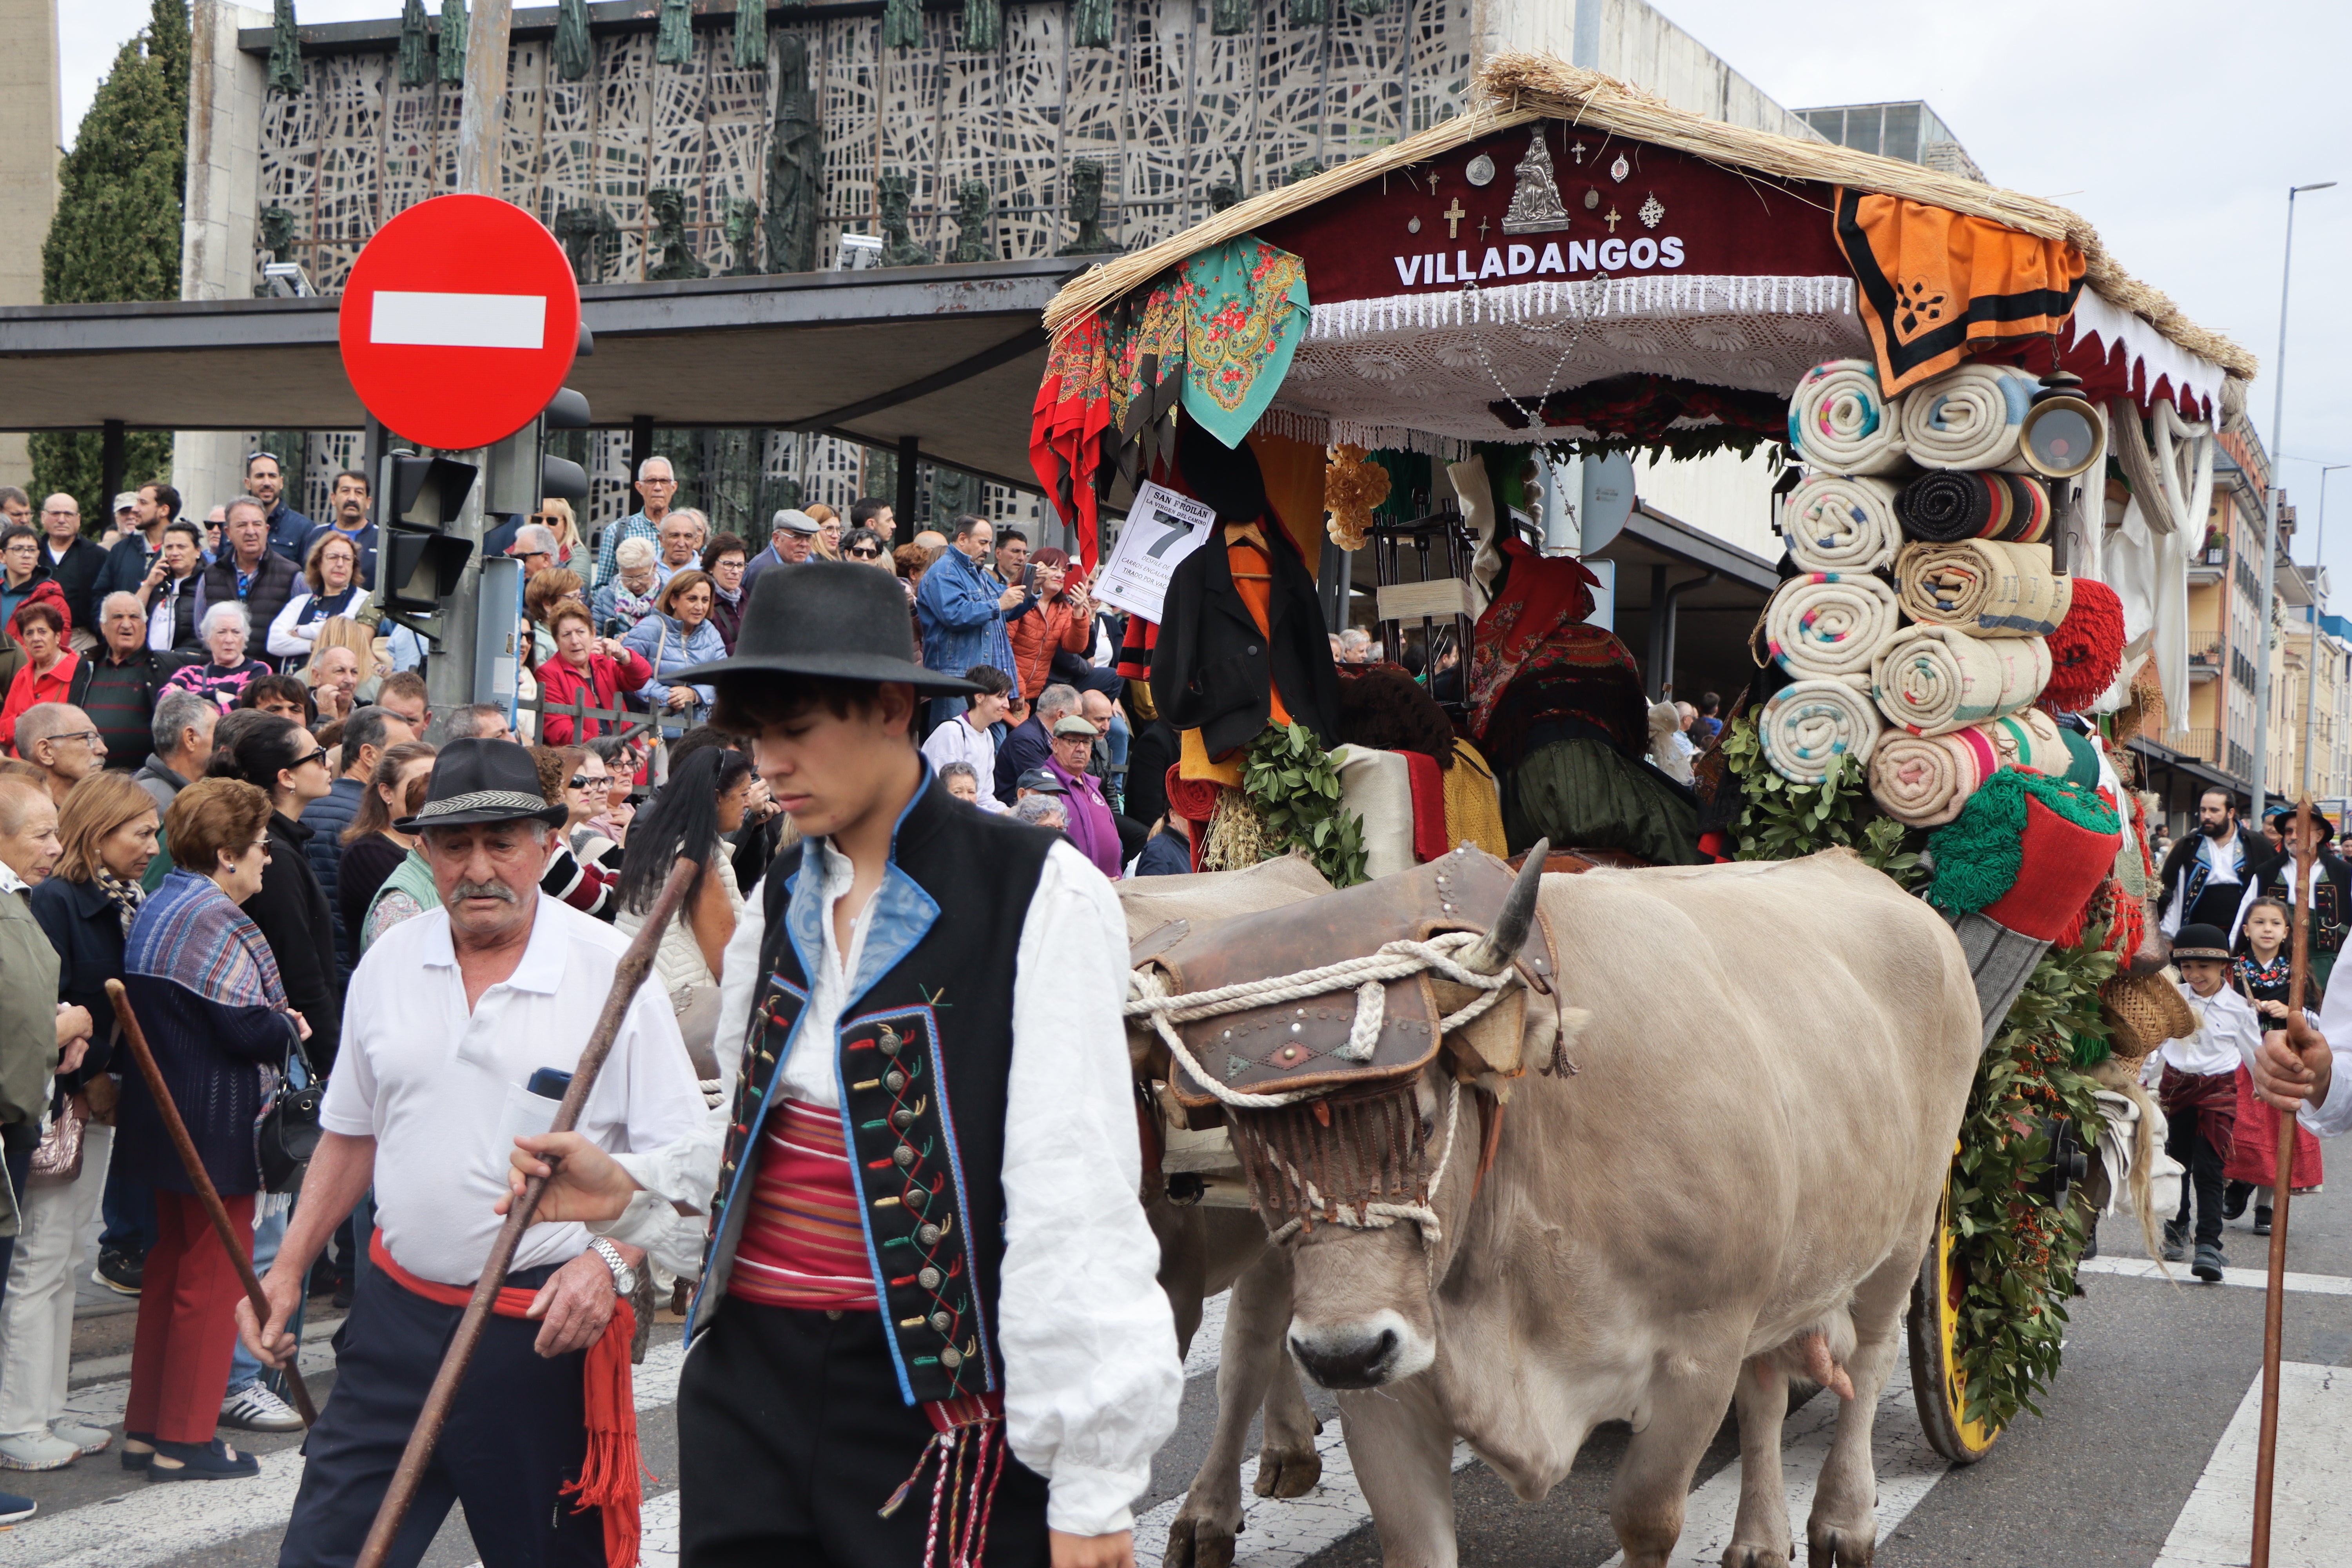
[
  {"x": 2063, "y": 866},
  {"x": 2086, "y": 650}
]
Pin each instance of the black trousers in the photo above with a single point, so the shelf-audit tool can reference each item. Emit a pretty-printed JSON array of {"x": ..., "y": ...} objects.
[
  {"x": 516, "y": 1434},
  {"x": 2185, "y": 1141},
  {"x": 790, "y": 1435}
]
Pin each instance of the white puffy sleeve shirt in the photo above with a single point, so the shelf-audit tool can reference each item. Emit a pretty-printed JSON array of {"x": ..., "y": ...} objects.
[
  {"x": 1092, "y": 1379},
  {"x": 2332, "y": 1117}
]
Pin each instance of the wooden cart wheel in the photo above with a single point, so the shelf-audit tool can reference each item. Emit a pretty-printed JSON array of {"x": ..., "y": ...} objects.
[{"x": 1938, "y": 1384}]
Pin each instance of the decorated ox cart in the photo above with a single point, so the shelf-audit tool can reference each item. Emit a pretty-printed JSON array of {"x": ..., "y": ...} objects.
[{"x": 1995, "y": 454}]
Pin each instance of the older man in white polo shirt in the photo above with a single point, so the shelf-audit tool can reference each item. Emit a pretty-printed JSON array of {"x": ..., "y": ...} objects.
[{"x": 461, "y": 1030}]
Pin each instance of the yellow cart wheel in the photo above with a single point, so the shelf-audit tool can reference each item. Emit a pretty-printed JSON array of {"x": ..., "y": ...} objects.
[{"x": 1938, "y": 1383}]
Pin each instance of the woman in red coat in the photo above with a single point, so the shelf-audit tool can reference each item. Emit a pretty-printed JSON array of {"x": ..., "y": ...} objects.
[
  {"x": 1060, "y": 620},
  {"x": 39, "y": 628},
  {"x": 585, "y": 669}
]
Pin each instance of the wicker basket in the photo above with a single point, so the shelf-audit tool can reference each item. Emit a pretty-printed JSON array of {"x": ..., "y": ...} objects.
[{"x": 2143, "y": 1011}]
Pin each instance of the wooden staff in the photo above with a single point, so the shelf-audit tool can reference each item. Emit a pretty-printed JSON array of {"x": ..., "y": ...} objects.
[
  {"x": 239, "y": 1253},
  {"x": 2275, "y": 1296},
  {"x": 627, "y": 975}
]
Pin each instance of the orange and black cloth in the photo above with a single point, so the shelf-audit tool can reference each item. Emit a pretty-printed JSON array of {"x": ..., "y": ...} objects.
[{"x": 1936, "y": 286}]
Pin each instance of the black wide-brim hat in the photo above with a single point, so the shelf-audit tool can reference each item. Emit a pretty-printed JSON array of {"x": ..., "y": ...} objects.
[
  {"x": 2284, "y": 818},
  {"x": 2201, "y": 941},
  {"x": 477, "y": 780},
  {"x": 826, "y": 618}
]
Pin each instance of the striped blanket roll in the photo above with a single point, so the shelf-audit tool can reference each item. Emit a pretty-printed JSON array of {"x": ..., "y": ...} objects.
[
  {"x": 1969, "y": 418},
  {"x": 1830, "y": 623},
  {"x": 1834, "y": 523},
  {"x": 1806, "y": 726},
  {"x": 1922, "y": 780},
  {"x": 1983, "y": 586},
  {"x": 1932, "y": 680},
  {"x": 1840, "y": 420},
  {"x": 1948, "y": 505}
]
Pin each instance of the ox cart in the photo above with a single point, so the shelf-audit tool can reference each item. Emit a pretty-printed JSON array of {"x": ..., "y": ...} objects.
[{"x": 1986, "y": 454}]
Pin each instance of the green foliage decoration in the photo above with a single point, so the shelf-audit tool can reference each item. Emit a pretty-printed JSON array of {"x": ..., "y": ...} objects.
[
  {"x": 1295, "y": 785},
  {"x": 116, "y": 235},
  {"x": 1786, "y": 820},
  {"x": 2017, "y": 1252}
]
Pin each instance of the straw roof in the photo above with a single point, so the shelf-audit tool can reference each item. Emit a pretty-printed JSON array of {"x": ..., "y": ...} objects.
[{"x": 1517, "y": 89}]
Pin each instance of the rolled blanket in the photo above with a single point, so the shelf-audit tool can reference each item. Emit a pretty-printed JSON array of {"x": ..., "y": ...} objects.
[
  {"x": 1922, "y": 780},
  {"x": 1830, "y": 623},
  {"x": 1968, "y": 418},
  {"x": 2087, "y": 649},
  {"x": 1985, "y": 586},
  {"x": 1833, "y": 522},
  {"x": 1840, "y": 421},
  {"x": 1945, "y": 506},
  {"x": 1807, "y": 725},
  {"x": 1932, "y": 680}
]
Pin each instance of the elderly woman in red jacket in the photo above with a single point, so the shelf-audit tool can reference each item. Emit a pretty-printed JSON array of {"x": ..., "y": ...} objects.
[
  {"x": 1061, "y": 620},
  {"x": 585, "y": 669},
  {"x": 39, "y": 628}
]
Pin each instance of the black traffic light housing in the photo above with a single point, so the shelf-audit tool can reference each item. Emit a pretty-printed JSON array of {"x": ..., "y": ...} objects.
[
  {"x": 420, "y": 563},
  {"x": 521, "y": 473}
]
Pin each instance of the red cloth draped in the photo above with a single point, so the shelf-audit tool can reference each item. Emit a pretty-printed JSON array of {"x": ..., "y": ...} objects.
[{"x": 1066, "y": 426}]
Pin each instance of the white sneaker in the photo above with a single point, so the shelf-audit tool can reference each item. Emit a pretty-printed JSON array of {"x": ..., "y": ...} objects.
[
  {"x": 86, "y": 1439},
  {"x": 254, "y": 1408},
  {"x": 36, "y": 1451}
]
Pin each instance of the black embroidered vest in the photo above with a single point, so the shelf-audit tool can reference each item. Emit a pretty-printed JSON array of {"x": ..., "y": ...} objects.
[{"x": 923, "y": 1059}]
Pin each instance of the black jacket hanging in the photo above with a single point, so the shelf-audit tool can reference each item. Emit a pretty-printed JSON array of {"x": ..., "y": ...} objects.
[{"x": 1213, "y": 670}]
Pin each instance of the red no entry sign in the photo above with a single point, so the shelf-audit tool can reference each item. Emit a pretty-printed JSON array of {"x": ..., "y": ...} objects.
[{"x": 459, "y": 321}]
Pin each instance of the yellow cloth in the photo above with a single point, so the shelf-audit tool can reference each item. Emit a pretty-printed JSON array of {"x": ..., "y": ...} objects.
[
  {"x": 1474, "y": 806},
  {"x": 1193, "y": 762}
]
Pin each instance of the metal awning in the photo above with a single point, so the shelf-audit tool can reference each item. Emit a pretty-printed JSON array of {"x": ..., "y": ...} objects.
[
  {"x": 1705, "y": 639},
  {"x": 949, "y": 356}
]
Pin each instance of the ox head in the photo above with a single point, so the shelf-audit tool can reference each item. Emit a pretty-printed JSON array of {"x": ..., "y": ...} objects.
[{"x": 1348, "y": 1042}]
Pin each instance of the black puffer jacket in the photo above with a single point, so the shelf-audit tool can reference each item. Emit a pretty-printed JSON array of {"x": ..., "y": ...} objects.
[{"x": 299, "y": 926}]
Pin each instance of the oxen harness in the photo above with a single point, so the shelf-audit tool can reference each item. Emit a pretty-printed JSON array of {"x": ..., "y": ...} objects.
[{"x": 1321, "y": 1099}]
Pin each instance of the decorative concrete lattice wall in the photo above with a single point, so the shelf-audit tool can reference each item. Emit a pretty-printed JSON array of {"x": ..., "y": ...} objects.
[{"x": 1173, "y": 110}]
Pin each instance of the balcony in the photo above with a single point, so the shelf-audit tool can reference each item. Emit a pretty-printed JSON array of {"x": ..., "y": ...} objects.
[
  {"x": 2203, "y": 744},
  {"x": 2204, "y": 654}
]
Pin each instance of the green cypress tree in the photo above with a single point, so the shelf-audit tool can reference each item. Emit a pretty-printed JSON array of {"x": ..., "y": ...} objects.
[{"x": 116, "y": 235}]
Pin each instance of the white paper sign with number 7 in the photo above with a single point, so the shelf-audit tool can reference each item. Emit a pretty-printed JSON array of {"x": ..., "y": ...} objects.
[{"x": 1161, "y": 530}]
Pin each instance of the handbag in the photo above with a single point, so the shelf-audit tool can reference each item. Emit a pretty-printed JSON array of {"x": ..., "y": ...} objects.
[
  {"x": 286, "y": 1132},
  {"x": 57, "y": 1162}
]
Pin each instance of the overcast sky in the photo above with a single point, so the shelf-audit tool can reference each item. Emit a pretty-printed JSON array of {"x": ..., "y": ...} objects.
[{"x": 2175, "y": 127}]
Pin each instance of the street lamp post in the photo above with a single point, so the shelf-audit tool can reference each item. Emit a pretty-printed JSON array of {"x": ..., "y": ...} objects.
[
  {"x": 2311, "y": 672},
  {"x": 2271, "y": 516}
]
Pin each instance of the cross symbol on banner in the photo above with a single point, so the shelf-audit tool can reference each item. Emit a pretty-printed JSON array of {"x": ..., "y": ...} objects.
[
  {"x": 1612, "y": 220},
  {"x": 1453, "y": 216}
]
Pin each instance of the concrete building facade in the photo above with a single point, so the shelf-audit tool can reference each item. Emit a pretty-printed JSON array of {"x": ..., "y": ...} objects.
[{"x": 31, "y": 126}]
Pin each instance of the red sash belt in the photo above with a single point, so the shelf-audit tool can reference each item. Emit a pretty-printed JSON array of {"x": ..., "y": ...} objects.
[{"x": 612, "y": 1478}]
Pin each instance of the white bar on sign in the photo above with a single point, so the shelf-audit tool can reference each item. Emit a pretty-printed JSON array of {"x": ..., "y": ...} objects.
[{"x": 458, "y": 320}]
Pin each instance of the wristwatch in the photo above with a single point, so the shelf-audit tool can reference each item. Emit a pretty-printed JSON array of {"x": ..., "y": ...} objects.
[{"x": 625, "y": 1279}]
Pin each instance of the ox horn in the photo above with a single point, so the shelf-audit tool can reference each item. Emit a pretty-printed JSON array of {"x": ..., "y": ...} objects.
[{"x": 1495, "y": 951}]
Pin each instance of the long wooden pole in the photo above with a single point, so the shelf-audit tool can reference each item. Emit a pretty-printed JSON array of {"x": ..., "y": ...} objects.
[
  {"x": 627, "y": 976},
  {"x": 239, "y": 1248},
  {"x": 2275, "y": 1296}
]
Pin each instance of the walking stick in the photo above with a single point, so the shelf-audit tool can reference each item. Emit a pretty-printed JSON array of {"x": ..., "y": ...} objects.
[
  {"x": 627, "y": 976},
  {"x": 2275, "y": 1296},
  {"x": 194, "y": 1165}
]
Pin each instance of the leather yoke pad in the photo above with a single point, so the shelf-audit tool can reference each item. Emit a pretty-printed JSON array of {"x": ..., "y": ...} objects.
[{"x": 1292, "y": 1045}]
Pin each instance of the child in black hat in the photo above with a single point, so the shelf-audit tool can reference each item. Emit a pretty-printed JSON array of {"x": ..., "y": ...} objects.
[{"x": 2198, "y": 1092}]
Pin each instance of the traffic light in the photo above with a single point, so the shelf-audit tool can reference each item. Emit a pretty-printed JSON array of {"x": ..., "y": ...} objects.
[
  {"x": 420, "y": 562},
  {"x": 521, "y": 473}
]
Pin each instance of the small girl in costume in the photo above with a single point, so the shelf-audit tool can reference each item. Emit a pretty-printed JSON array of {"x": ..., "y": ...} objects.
[{"x": 2261, "y": 973}]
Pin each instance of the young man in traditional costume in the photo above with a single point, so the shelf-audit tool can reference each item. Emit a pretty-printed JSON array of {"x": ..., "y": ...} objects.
[
  {"x": 2198, "y": 1092},
  {"x": 925, "y": 1244},
  {"x": 2203, "y": 876},
  {"x": 456, "y": 1022}
]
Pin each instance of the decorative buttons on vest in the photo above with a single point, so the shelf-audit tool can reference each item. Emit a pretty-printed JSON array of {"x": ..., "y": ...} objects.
[
  {"x": 894, "y": 1081},
  {"x": 950, "y": 1358},
  {"x": 930, "y": 1279},
  {"x": 902, "y": 1119},
  {"x": 929, "y": 1235},
  {"x": 941, "y": 1321},
  {"x": 902, "y": 1156}
]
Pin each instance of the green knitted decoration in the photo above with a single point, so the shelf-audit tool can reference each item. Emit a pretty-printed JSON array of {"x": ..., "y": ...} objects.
[
  {"x": 2090, "y": 1050},
  {"x": 1978, "y": 852}
]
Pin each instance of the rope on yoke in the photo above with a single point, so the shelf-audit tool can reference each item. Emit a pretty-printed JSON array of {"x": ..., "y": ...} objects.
[
  {"x": 1368, "y": 978},
  {"x": 1380, "y": 1215}
]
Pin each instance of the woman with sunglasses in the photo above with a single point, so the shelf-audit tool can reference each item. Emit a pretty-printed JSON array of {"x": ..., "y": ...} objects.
[
  {"x": 724, "y": 559},
  {"x": 284, "y": 760},
  {"x": 866, "y": 548},
  {"x": 554, "y": 513}
]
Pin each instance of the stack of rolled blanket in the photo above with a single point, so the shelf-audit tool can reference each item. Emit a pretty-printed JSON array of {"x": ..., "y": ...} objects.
[
  {"x": 1830, "y": 623},
  {"x": 1840, "y": 422},
  {"x": 1932, "y": 680},
  {"x": 1834, "y": 523},
  {"x": 1984, "y": 586},
  {"x": 1922, "y": 780},
  {"x": 1969, "y": 417},
  {"x": 1808, "y": 725},
  {"x": 1945, "y": 506}
]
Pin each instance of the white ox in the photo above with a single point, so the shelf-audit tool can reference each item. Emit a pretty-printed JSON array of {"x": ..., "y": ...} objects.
[{"x": 1736, "y": 1182}]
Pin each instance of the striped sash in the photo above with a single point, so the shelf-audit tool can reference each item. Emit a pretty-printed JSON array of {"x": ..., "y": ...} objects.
[{"x": 803, "y": 1245}]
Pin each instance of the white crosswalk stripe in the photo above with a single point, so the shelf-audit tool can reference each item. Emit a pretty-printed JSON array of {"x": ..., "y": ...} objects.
[
  {"x": 2246, "y": 1278},
  {"x": 2311, "y": 1518}
]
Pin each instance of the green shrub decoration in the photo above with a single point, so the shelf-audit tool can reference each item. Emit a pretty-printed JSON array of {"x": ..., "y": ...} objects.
[
  {"x": 1295, "y": 785},
  {"x": 2017, "y": 1252}
]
